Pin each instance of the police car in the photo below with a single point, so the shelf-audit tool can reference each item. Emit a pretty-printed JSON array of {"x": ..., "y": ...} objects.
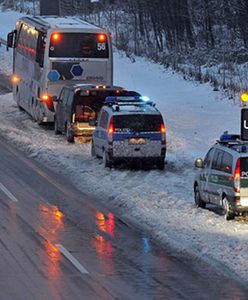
[
  {"x": 130, "y": 128},
  {"x": 223, "y": 179}
]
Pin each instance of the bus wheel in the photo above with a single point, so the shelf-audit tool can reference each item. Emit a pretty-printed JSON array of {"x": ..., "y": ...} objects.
[{"x": 69, "y": 134}]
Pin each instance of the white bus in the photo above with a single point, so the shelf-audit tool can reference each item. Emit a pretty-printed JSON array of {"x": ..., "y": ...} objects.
[{"x": 50, "y": 52}]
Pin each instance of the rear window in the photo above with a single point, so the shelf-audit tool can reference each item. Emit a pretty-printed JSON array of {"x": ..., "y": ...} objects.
[
  {"x": 97, "y": 97},
  {"x": 84, "y": 113},
  {"x": 85, "y": 45},
  {"x": 138, "y": 123}
]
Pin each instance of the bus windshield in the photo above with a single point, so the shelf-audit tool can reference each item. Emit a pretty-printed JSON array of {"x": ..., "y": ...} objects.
[{"x": 79, "y": 45}]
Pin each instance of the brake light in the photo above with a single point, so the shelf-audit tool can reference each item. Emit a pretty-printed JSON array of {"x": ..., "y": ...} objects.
[
  {"x": 48, "y": 100},
  {"x": 162, "y": 128},
  {"x": 45, "y": 97},
  {"x": 111, "y": 126},
  {"x": 237, "y": 177},
  {"x": 56, "y": 37},
  {"x": 101, "y": 38}
]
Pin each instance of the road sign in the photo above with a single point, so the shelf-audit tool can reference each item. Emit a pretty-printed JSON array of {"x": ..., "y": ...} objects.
[{"x": 244, "y": 124}]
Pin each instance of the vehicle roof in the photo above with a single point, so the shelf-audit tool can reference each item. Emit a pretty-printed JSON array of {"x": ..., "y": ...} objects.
[
  {"x": 87, "y": 86},
  {"x": 238, "y": 149},
  {"x": 56, "y": 22},
  {"x": 132, "y": 109}
]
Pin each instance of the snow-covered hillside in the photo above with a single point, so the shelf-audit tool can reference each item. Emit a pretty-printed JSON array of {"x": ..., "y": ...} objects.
[{"x": 159, "y": 201}]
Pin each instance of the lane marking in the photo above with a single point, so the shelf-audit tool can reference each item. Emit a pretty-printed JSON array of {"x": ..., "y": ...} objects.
[
  {"x": 72, "y": 259},
  {"x": 8, "y": 193}
]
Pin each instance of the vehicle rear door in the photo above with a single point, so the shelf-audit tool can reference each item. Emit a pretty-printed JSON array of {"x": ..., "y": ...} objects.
[
  {"x": 244, "y": 181},
  {"x": 59, "y": 108},
  {"x": 63, "y": 106}
]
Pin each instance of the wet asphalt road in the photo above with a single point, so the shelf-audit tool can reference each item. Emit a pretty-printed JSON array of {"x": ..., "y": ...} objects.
[
  {"x": 56, "y": 243},
  {"x": 5, "y": 84}
]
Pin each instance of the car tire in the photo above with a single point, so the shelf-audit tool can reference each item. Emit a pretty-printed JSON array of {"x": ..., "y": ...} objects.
[
  {"x": 93, "y": 150},
  {"x": 227, "y": 212},
  {"x": 56, "y": 130},
  {"x": 69, "y": 134},
  {"x": 160, "y": 164},
  {"x": 106, "y": 161},
  {"x": 198, "y": 200}
]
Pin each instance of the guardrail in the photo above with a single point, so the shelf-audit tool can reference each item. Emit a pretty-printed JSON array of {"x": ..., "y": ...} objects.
[{"x": 3, "y": 42}]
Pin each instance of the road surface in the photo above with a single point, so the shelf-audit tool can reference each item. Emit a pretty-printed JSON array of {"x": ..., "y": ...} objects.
[{"x": 56, "y": 243}]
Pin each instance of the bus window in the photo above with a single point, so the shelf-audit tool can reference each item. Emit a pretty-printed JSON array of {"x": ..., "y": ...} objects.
[
  {"x": 27, "y": 42},
  {"x": 41, "y": 45},
  {"x": 85, "y": 45}
]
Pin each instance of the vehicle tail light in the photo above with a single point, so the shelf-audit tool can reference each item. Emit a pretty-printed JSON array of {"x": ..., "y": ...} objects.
[
  {"x": 48, "y": 100},
  {"x": 162, "y": 128},
  {"x": 56, "y": 37},
  {"x": 237, "y": 177},
  {"x": 111, "y": 126},
  {"x": 163, "y": 131},
  {"x": 111, "y": 130},
  {"x": 101, "y": 38}
]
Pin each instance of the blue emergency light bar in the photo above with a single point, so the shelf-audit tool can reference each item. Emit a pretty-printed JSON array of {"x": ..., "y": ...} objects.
[
  {"x": 122, "y": 100},
  {"x": 226, "y": 137}
]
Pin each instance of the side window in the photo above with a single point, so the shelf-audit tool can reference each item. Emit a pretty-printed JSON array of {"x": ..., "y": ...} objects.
[
  {"x": 103, "y": 119},
  {"x": 27, "y": 41},
  {"x": 217, "y": 160},
  {"x": 208, "y": 158},
  {"x": 226, "y": 165}
]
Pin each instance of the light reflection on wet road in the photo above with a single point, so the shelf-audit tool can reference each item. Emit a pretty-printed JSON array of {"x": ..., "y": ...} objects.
[{"x": 121, "y": 262}]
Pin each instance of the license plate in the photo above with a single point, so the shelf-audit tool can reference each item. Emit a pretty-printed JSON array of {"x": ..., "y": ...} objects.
[
  {"x": 137, "y": 141},
  {"x": 244, "y": 202}
]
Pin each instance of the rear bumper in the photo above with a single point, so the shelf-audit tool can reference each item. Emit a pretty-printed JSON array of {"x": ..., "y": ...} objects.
[
  {"x": 239, "y": 205},
  {"x": 148, "y": 159},
  {"x": 82, "y": 132}
]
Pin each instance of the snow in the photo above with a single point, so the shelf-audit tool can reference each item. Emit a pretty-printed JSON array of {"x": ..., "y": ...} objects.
[{"x": 161, "y": 202}]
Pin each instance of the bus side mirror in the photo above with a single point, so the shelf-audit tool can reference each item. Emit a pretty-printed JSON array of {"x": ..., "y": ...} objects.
[{"x": 11, "y": 39}]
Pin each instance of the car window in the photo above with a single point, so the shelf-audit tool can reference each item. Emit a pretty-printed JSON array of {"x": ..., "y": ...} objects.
[
  {"x": 138, "y": 122},
  {"x": 217, "y": 160},
  {"x": 103, "y": 119},
  {"x": 226, "y": 165},
  {"x": 208, "y": 158}
]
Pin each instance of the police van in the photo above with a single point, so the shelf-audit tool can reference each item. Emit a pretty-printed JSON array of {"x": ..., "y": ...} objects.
[
  {"x": 223, "y": 179},
  {"x": 128, "y": 129}
]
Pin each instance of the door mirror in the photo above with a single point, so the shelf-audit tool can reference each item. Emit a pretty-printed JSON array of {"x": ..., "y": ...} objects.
[
  {"x": 199, "y": 163},
  {"x": 11, "y": 39},
  {"x": 55, "y": 99},
  {"x": 93, "y": 122}
]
